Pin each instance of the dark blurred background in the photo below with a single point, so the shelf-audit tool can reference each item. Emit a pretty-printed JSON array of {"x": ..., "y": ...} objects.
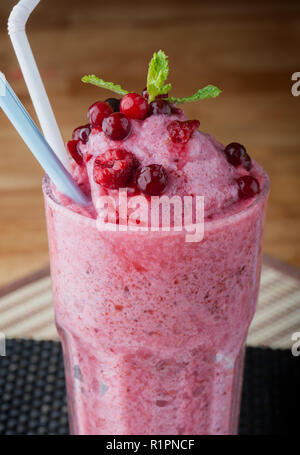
[{"x": 248, "y": 48}]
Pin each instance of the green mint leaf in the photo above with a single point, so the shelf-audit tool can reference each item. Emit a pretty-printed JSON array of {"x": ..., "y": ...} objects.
[
  {"x": 157, "y": 75},
  {"x": 210, "y": 91},
  {"x": 92, "y": 79}
]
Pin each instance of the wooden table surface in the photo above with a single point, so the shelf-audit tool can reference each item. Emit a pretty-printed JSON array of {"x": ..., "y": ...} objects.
[{"x": 250, "y": 49}]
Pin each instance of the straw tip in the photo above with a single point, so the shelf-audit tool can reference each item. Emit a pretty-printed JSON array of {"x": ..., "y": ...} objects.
[{"x": 19, "y": 15}]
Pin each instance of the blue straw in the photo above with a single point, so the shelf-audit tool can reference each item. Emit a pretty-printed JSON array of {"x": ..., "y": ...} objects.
[{"x": 35, "y": 141}]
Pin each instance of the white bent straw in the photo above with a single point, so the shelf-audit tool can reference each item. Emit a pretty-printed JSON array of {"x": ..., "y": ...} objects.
[
  {"x": 38, "y": 145},
  {"x": 16, "y": 29}
]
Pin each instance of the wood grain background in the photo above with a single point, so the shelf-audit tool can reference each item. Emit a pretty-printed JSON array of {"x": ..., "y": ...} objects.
[{"x": 249, "y": 48}]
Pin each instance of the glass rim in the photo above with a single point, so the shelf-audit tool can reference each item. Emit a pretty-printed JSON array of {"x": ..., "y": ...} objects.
[{"x": 209, "y": 224}]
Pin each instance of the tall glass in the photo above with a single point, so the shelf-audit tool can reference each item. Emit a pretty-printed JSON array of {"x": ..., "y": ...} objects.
[{"x": 153, "y": 327}]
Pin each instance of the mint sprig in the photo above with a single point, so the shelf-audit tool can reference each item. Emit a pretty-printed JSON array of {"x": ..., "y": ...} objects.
[
  {"x": 92, "y": 79},
  {"x": 157, "y": 75},
  {"x": 210, "y": 91}
]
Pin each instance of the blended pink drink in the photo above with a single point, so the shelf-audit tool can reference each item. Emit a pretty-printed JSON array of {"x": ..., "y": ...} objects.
[{"x": 153, "y": 327}]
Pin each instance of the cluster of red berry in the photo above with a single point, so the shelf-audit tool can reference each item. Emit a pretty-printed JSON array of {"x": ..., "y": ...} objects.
[
  {"x": 237, "y": 156},
  {"x": 118, "y": 168},
  {"x": 113, "y": 116}
]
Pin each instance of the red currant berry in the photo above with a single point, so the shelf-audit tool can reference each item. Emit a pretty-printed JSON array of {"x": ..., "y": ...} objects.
[
  {"x": 82, "y": 133},
  {"x": 248, "y": 186},
  {"x": 151, "y": 179},
  {"x": 116, "y": 126},
  {"x": 97, "y": 112},
  {"x": 73, "y": 148},
  {"x": 237, "y": 156},
  {"x": 134, "y": 106},
  {"x": 114, "y": 169},
  {"x": 182, "y": 131},
  {"x": 160, "y": 107},
  {"x": 114, "y": 104}
]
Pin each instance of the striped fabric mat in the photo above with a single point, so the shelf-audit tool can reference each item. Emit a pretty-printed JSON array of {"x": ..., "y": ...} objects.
[{"x": 26, "y": 307}]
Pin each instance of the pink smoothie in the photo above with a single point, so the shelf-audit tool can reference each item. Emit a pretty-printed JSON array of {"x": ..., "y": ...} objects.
[{"x": 153, "y": 327}]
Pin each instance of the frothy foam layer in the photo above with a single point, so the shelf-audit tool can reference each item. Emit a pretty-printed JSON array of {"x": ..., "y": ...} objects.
[{"x": 196, "y": 168}]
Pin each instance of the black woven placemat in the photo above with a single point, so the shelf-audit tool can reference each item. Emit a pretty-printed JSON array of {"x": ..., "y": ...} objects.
[{"x": 32, "y": 390}]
